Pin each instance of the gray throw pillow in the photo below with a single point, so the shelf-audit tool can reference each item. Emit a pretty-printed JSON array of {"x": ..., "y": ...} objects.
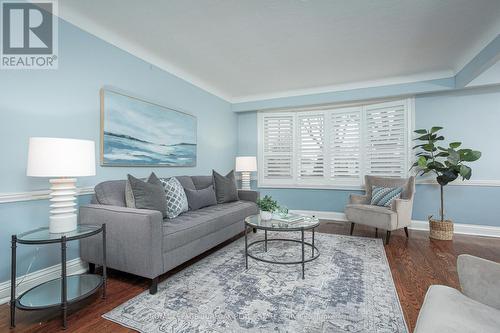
[
  {"x": 148, "y": 195},
  {"x": 201, "y": 198},
  {"x": 177, "y": 202},
  {"x": 129, "y": 194},
  {"x": 225, "y": 187}
]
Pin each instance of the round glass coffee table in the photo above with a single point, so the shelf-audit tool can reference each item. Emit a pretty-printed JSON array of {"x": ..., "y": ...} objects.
[{"x": 307, "y": 223}]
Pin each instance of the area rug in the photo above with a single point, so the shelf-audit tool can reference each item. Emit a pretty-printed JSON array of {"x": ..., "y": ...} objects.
[{"x": 349, "y": 288}]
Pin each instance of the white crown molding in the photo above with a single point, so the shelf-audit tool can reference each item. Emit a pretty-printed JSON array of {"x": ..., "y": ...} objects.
[
  {"x": 347, "y": 86},
  {"x": 74, "y": 266},
  {"x": 94, "y": 28},
  {"x": 459, "y": 228},
  {"x": 37, "y": 195}
]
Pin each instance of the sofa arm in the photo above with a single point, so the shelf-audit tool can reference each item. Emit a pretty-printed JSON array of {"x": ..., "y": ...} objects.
[
  {"x": 133, "y": 239},
  {"x": 248, "y": 195},
  {"x": 480, "y": 279},
  {"x": 403, "y": 209},
  {"x": 358, "y": 199}
]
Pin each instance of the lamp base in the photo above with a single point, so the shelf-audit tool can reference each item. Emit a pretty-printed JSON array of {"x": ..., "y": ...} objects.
[
  {"x": 245, "y": 180},
  {"x": 63, "y": 216}
]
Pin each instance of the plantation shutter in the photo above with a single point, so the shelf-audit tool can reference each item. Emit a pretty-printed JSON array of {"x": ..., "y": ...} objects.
[
  {"x": 311, "y": 145},
  {"x": 386, "y": 139},
  {"x": 345, "y": 145},
  {"x": 278, "y": 146}
]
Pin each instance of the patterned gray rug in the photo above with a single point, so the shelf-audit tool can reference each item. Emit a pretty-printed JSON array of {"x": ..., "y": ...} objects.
[{"x": 349, "y": 288}]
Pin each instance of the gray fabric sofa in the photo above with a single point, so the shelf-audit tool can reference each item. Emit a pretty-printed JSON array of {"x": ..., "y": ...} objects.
[
  {"x": 141, "y": 242},
  {"x": 475, "y": 309}
]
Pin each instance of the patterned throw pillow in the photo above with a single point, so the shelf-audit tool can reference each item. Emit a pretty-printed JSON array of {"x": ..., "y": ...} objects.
[
  {"x": 384, "y": 196},
  {"x": 176, "y": 198}
]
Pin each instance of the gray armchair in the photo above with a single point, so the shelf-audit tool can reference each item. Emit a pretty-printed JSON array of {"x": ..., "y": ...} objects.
[
  {"x": 475, "y": 309},
  {"x": 398, "y": 216}
]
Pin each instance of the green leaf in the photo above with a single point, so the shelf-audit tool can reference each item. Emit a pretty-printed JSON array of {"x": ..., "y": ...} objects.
[
  {"x": 442, "y": 148},
  {"x": 454, "y": 157},
  {"x": 465, "y": 172},
  {"x": 418, "y": 146},
  {"x": 442, "y": 154},
  {"x": 422, "y": 162},
  {"x": 455, "y": 145},
  {"x": 424, "y": 137},
  {"x": 421, "y": 131},
  {"x": 440, "y": 138},
  {"x": 435, "y": 129},
  {"x": 429, "y": 147},
  {"x": 468, "y": 155}
]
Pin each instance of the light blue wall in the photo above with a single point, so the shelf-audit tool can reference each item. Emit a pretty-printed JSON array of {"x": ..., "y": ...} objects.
[
  {"x": 65, "y": 103},
  {"x": 471, "y": 116}
]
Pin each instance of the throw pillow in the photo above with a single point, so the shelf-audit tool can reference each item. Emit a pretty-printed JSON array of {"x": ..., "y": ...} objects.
[
  {"x": 177, "y": 202},
  {"x": 201, "y": 198},
  {"x": 384, "y": 196},
  {"x": 129, "y": 194},
  {"x": 225, "y": 187},
  {"x": 148, "y": 195}
]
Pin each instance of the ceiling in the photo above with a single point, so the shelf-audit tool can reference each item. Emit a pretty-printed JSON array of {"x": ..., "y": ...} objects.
[{"x": 244, "y": 50}]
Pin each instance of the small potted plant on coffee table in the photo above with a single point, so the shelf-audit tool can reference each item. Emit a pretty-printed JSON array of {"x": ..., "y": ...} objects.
[
  {"x": 267, "y": 206},
  {"x": 447, "y": 164}
]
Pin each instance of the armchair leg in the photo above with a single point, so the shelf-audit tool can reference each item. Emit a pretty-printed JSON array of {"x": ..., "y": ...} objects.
[
  {"x": 352, "y": 227},
  {"x": 376, "y": 232},
  {"x": 388, "y": 237},
  {"x": 91, "y": 268},
  {"x": 406, "y": 232},
  {"x": 154, "y": 286}
]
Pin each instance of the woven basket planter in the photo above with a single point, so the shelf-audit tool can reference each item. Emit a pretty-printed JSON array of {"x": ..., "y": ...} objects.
[{"x": 441, "y": 230}]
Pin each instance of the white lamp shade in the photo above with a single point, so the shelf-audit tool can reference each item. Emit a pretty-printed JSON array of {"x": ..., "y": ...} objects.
[
  {"x": 246, "y": 163},
  {"x": 57, "y": 157}
]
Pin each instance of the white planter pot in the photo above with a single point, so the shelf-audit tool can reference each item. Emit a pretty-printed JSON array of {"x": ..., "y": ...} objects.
[{"x": 266, "y": 215}]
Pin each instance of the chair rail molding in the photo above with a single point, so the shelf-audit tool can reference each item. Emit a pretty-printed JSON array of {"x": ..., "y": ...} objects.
[
  {"x": 459, "y": 228},
  {"x": 37, "y": 195}
]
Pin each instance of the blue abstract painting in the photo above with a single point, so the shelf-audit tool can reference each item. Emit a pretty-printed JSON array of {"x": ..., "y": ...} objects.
[{"x": 138, "y": 133}]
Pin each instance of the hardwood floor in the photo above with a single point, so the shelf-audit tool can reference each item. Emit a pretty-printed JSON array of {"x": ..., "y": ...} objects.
[{"x": 416, "y": 263}]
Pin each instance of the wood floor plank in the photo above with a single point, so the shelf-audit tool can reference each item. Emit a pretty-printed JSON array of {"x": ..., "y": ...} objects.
[{"x": 416, "y": 263}]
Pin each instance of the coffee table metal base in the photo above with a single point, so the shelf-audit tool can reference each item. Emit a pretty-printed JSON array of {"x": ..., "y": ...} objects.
[{"x": 266, "y": 240}]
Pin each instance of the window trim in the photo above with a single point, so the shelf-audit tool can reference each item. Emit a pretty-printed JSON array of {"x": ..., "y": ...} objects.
[{"x": 408, "y": 102}]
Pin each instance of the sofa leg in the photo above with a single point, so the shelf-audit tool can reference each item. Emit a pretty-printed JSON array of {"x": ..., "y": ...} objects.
[
  {"x": 254, "y": 230},
  {"x": 154, "y": 286},
  {"x": 376, "y": 232},
  {"x": 352, "y": 227},
  {"x": 91, "y": 268},
  {"x": 406, "y": 232},
  {"x": 388, "y": 237}
]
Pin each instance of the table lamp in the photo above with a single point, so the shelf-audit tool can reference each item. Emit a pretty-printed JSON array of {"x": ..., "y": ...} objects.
[
  {"x": 245, "y": 165},
  {"x": 61, "y": 160}
]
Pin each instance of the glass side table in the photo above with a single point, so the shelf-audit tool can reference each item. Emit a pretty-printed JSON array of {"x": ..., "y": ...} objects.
[{"x": 62, "y": 291}]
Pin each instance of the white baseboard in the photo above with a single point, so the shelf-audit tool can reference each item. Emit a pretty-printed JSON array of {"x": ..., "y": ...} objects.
[
  {"x": 459, "y": 228},
  {"x": 74, "y": 266}
]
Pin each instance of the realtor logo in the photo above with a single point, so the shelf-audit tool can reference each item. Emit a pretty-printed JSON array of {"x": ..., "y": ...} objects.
[{"x": 29, "y": 35}]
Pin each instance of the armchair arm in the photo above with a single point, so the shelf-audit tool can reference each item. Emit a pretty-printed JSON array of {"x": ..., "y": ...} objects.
[
  {"x": 133, "y": 239},
  {"x": 480, "y": 279},
  {"x": 358, "y": 199},
  {"x": 403, "y": 208},
  {"x": 248, "y": 195}
]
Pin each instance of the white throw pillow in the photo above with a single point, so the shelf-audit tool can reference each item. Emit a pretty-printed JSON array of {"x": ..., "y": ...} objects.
[{"x": 176, "y": 197}]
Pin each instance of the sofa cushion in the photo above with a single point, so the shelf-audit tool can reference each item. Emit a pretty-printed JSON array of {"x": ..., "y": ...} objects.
[
  {"x": 375, "y": 216},
  {"x": 149, "y": 195},
  {"x": 201, "y": 182},
  {"x": 193, "y": 225},
  {"x": 186, "y": 182},
  {"x": 447, "y": 310},
  {"x": 201, "y": 198},
  {"x": 225, "y": 187},
  {"x": 111, "y": 193},
  {"x": 177, "y": 202}
]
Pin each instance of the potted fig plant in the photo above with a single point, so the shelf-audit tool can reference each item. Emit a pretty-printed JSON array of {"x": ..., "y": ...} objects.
[
  {"x": 447, "y": 164},
  {"x": 267, "y": 206}
]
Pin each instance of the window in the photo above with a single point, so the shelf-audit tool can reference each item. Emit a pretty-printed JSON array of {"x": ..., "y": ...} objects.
[{"x": 334, "y": 147}]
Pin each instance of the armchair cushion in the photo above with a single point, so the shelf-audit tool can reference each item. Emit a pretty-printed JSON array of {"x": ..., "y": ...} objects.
[
  {"x": 384, "y": 196},
  {"x": 447, "y": 310},
  {"x": 375, "y": 216}
]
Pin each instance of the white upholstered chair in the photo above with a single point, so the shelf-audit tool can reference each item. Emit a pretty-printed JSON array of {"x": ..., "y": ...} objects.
[{"x": 398, "y": 216}]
